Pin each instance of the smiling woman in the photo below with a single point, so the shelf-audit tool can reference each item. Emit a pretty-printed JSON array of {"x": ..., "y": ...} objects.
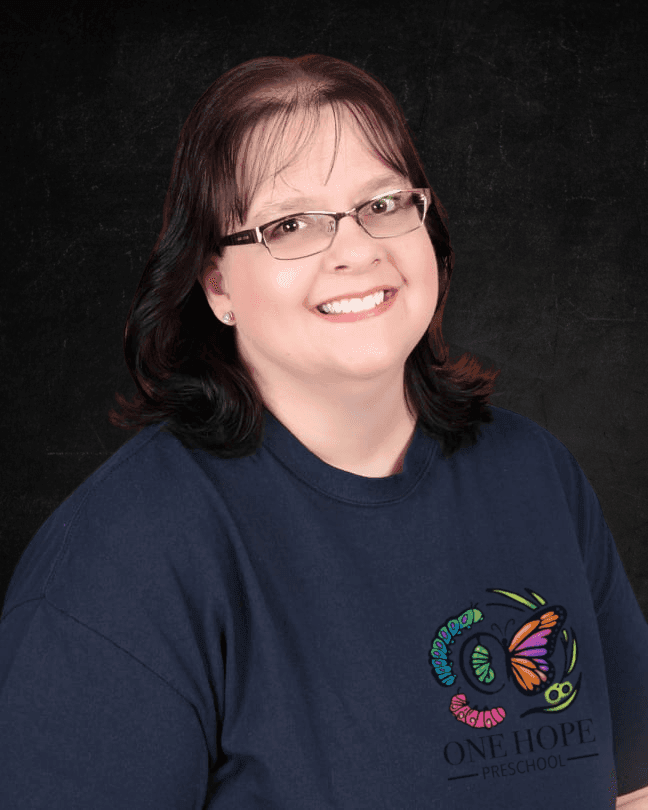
[
  {"x": 269, "y": 140},
  {"x": 356, "y": 304},
  {"x": 326, "y": 573}
]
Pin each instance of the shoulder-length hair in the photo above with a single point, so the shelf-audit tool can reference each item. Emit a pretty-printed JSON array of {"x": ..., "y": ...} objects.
[{"x": 183, "y": 360}]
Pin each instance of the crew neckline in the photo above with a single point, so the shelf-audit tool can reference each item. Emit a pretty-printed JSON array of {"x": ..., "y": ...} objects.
[{"x": 343, "y": 485}]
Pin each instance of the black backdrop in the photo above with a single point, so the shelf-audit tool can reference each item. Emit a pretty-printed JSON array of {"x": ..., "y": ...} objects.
[{"x": 531, "y": 121}]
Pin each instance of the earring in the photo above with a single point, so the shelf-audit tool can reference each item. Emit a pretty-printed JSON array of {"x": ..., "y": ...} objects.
[{"x": 228, "y": 317}]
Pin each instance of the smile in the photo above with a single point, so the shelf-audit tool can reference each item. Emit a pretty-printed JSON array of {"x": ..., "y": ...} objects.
[
  {"x": 347, "y": 305},
  {"x": 349, "y": 310}
]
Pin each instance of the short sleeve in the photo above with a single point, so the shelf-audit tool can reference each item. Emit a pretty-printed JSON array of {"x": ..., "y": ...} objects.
[
  {"x": 85, "y": 725},
  {"x": 622, "y": 627},
  {"x": 624, "y": 637}
]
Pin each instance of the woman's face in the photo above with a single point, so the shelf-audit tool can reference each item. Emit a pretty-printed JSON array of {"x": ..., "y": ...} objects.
[{"x": 280, "y": 334}]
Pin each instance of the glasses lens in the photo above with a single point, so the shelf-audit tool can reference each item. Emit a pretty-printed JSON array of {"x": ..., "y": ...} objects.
[
  {"x": 394, "y": 214},
  {"x": 297, "y": 237},
  {"x": 307, "y": 234}
]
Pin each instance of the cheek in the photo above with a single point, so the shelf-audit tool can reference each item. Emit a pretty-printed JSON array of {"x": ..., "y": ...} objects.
[
  {"x": 435, "y": 278},
  {"x": 260, "y": 299},
  {"x": 433, "y": 266},
  {"x": 429, "y": 286},
  {"x": 285, "y": 278},
  {"x": 278, "y": 291},
  {"x": 429, "y": 271},
  {"x": 252, "y": 291}
]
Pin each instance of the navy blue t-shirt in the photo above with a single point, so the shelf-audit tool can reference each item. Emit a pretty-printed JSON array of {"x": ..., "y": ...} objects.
[{"x": 273, "y": 632}]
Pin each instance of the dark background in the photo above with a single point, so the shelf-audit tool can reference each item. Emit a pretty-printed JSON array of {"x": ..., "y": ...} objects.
[{"x": 531, "y": 121}]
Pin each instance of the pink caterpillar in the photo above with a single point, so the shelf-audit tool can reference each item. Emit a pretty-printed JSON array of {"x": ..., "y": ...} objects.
[{"x": 487, "y": 718}]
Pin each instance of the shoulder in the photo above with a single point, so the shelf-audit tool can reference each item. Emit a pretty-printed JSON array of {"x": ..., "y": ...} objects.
[
  {"x": 151, "y": 483},
  {"x": 515, "y": 436},
  {"x": 149, "y": 503},
  {"x": 511, "y": 426},
  {"x": 521, "y": 452},
  {"x": 139, "y": 557},
  {"x": 526, "y": 456}
]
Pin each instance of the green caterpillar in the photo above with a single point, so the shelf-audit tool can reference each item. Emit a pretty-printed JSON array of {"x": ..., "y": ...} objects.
[{"x": 445, "y": 635}]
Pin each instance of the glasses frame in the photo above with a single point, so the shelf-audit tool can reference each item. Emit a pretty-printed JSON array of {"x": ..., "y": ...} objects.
[{"x": 255, "y": 236}]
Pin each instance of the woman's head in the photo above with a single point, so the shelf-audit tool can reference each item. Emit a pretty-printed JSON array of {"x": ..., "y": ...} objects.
[
  {"x": 292, "y": 347},
  {"x": 255, "y": 125}
]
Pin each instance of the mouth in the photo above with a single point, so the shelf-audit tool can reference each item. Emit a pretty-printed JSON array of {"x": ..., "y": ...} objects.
[{"x": 342, "y": 306}]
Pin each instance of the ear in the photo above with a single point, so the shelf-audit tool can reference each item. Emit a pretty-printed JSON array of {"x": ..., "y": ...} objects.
[{"x": 215, "y": 288}]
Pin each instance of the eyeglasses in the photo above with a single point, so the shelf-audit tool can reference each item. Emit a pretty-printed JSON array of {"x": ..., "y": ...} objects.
[{"x": 300, "y": 235}]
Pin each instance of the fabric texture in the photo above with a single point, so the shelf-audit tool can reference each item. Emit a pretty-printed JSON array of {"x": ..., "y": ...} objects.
[{"x": 272, "y": 632}]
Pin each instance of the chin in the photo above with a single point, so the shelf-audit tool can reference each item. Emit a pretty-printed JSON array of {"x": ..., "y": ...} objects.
[{"x": 370, "y": 367}]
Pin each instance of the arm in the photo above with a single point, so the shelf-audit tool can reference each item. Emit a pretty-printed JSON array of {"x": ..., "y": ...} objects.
[
  {"x": 624, "y": 638},
  {"x": 637, "y": 800},
  {"x": 83, "y": 724}
]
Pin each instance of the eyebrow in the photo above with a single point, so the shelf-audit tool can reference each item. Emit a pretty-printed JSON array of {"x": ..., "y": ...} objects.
[{"x": 292, "y": 205}]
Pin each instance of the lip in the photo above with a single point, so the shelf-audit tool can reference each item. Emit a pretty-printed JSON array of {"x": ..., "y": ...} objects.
[
  {"x": 349, "y": 296},
  {"x": 350, "y": 317}
]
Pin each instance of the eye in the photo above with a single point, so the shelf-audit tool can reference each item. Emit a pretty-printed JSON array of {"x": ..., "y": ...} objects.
[
  {"x": 286, "y": 228},
  {"x": 384, "y": 205},
  {"x": 290, "y": 225}
]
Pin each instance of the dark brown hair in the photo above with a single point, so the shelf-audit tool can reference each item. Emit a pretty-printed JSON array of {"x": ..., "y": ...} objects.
[{"x": 182, "y": 358}]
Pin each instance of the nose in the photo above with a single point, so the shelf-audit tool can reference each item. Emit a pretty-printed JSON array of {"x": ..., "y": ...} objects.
[{"x": 352, "y": 245}]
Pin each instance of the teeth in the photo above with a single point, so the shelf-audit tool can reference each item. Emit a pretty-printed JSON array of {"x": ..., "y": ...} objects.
[{"x": 353, "y": 304}]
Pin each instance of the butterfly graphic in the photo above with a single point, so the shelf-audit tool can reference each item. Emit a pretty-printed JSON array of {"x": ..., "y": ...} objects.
[{"x": 528, "y": 654}]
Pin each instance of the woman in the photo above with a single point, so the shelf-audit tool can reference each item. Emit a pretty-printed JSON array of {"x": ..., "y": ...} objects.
[{"x": 326, "y": 573}]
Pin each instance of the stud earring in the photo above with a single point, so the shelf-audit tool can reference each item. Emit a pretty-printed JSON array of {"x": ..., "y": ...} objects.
[{"x": 228, "y": 317}]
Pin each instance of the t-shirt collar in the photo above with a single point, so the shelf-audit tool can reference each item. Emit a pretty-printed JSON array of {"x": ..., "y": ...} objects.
[{"x": 342, "y": 485}]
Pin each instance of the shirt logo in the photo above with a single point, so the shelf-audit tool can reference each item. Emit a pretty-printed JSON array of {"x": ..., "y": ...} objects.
[{"x": 486, "y": 662}]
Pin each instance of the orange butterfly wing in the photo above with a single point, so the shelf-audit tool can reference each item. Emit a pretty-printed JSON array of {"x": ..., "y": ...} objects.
[{"x": 532, "y": 646}]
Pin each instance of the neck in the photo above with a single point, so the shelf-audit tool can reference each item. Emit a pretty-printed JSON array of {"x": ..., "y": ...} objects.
[{"x": 363, "y": 428}]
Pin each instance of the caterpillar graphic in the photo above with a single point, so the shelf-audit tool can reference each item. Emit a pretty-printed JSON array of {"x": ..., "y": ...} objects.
[
  {"x": 487, "y": 718},
  {"x": 444, "y": 636}
]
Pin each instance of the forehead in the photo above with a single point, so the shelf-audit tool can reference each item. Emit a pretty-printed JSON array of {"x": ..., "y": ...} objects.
[{"x": 290, "y": 159}]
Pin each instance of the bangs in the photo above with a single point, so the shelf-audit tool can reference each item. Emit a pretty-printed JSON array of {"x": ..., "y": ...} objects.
[{"x": 283, "y": 130}]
